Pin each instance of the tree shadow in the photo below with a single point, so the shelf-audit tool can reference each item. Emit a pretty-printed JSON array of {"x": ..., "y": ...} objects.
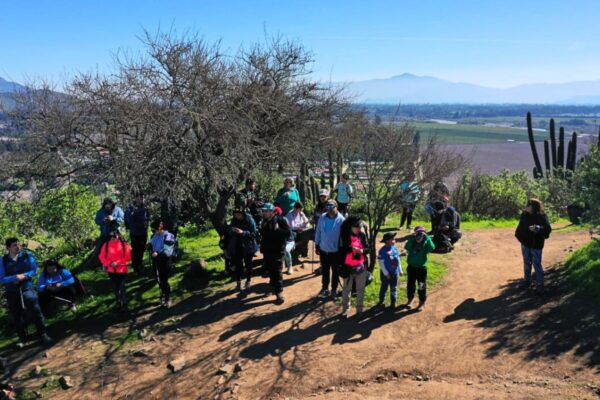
[
  {"x": 344, "y": 330},
  {"x": 540, "y": 326}
]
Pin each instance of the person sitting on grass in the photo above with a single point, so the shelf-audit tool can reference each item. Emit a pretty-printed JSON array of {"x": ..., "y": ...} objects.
[
  {"x": 17, "y": 269},
  {"x": 56, "y": 283},
  {"x": 418, "y": 247},
  {"x": 114, "y": 257},
  {"x": 391, "y": 268},
  {"x": 162, "y": 244}
]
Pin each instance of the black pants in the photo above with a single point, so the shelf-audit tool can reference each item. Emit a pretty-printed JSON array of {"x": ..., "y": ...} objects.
[
  {"x": 162, "y": 270},
  {"x": 343, "y": 208},
  {"x": 118, "y": 281},
  {"x": 329, "y": 264},
  {"x": 301, "y": 248},
  {"x": 46, "y": 298},
  {"x": 272, "y": 264},
  {"x": 243, "y": 265},
  {"x": 138, "y": 246},
  {"x": 20, "y": 315},
  {"x": 416, "y": 275},
  {"x": 407, "y": 213}
]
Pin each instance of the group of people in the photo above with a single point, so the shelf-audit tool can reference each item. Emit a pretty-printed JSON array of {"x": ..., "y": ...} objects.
[
  {"x": 281, "y": 232},
  {"x": 58, "y": 285}
]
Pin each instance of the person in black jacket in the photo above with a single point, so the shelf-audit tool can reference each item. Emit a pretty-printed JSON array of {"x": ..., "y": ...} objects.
[
  {"x": 274, "y": 232},
  {"x": 242, "y": 246},
  {"x": 532, "y": 232},
  {"x": 444, "y": 227}
]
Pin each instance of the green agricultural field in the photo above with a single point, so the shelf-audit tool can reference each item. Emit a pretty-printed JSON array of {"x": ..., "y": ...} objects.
[{"x": 470, "y": 134}]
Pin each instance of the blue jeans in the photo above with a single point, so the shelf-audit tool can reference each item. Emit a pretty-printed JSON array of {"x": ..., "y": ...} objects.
[
  {"x": 392, "y": 282},
  {"x": 533, "y": 257}
]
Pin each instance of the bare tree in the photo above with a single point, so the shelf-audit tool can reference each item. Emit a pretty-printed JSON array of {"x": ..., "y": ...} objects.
[
  {"x": 388, "y": 155},
  {"x": 183, "y": 122}
]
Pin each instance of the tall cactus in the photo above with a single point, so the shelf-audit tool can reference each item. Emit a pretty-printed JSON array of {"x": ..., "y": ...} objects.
[
  {"x": 572, "y": 156},
  {"x": 536, "y": 158},
  {"x": 561, "y": 148},
  {"x": 547, "y": 157},
  {"x": 553, "y": 143}
]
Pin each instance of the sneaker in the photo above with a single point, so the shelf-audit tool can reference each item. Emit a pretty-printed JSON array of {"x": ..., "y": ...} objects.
[
  {"x": 392, "y": 305},
  {"x": 20, "y": 345},
  {"x": 168, "y": 304},
  {"x": 323, "y": 294},
  {"x": 45, "y": 338},
  {"x": 290, "y": 270},
  {"x": 344, "y": 313},
  {"x": 73, "y": 308},
  {"x": 380, "y": 305},
  {"x": 408, "y": 304},
  {"x": 238, "y": 286},
  {"x": 335, "y": 294},
  {"x": 247, "y": 286},
  {"x": 420, "y": 306}
]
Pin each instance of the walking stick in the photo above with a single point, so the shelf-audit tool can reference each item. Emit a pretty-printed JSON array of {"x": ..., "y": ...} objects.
[
  {"x": 312, "y": 260},
  {"x": 22, "y": 300},
  {"x": 62, "y": 299}
]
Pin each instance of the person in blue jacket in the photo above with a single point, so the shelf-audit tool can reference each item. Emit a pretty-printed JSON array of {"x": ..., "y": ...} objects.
[
  {"x": 55, "y": 283},
  {"x": 109, "y": 217},
  {"x": 17, "y": 269},
  {"x": 137, "y": 218},
  {"x": 162, "y": 245},
  {"x": 391, "y": 268}
]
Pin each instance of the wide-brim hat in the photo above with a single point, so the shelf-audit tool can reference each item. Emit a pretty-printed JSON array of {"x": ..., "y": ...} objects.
[{"x": 388, "y": 236}]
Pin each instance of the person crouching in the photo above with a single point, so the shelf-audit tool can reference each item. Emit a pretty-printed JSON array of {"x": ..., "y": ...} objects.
[{"x": 55, "y": 283}]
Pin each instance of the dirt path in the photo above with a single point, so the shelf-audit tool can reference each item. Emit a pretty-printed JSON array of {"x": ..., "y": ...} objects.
[{"x": 478, "y": 338}]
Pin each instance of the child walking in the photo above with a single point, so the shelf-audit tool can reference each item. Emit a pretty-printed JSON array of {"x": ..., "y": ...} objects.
[
  {"x": 391, "y": 268},
  {"x": 417, "y": 246}
]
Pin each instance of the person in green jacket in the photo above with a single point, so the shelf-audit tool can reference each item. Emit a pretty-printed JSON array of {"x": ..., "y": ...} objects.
[
  {"x": 417, "y": 246},
  {"x": 287, "y": 196}
]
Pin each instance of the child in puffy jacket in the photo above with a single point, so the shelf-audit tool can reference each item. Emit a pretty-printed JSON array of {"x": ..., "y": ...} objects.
[{"x": 114, "y": 256}]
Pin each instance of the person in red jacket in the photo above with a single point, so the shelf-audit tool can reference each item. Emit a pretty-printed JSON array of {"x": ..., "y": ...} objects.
[{"x": 114, "y": 256}]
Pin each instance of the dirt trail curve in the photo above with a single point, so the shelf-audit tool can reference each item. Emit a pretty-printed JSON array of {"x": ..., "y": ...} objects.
[{"x": 478, "y": 338}]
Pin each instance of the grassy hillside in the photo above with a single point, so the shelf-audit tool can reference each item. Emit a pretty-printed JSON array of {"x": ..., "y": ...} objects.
[{"x": 583, "y": 268}]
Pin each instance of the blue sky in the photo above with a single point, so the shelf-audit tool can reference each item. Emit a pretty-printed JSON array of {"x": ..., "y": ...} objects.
[{"x": 497, "y": 43}]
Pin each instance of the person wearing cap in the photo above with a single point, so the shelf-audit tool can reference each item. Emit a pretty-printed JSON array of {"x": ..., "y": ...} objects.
[
  {"x": 248, "y": 201},
  {"x": 109, "y": 217},
  {"x": 418, "y": 246},
  {"x": 444, "y": 226},
  {"x": 321, "y": 206},
  {"x": 137, "y": 219},
  {"x": 354, "y": 247},
  {"x": 114, "y": 256},
  {"x": 327, "y": 242},
  {"x": 287, "y": 196},
  {"x": 345, "y": 192},
  {"x": 391, "y": 268},
  {"x": 17, "y": 270},
  {"x": 300, "y": 225},
  {"x": 274, "y": 231},
  {"x": 242, "y": 246}
]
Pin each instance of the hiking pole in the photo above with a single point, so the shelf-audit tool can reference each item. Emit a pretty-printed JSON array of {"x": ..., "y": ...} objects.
[
  {"x": 62, "y": 299},
  {"x": 312, "y": 261},
  {"x": 22, "y": 300}
]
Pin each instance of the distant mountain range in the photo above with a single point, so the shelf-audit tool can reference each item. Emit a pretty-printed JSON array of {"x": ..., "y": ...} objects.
[{"x": 409, "y": 88}]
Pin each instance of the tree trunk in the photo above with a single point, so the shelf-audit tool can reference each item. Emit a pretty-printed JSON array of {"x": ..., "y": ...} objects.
[{"x": 219, "y": 216}]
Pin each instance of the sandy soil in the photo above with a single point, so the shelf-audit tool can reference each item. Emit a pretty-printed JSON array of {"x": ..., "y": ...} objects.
[{"x": 479, "y": 337}]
